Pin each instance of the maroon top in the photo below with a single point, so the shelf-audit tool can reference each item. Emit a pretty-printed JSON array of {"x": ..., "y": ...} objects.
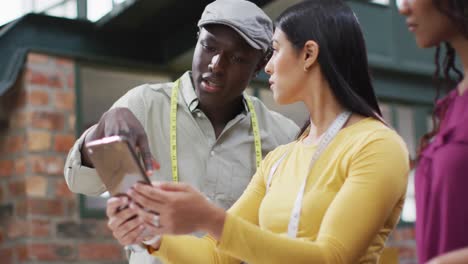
[{"x": 441, "y": 183}]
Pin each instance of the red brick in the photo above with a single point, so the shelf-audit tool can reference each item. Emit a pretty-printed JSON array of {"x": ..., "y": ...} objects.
[
  {"x": 6, "y": 168},
  {"x": 48, "y": 120},
  {"x": 403, "y": 234},
  {"x": 50, "y": 252},
  {"x": 17, "y": 188},
  {"x": 407, "y": 233},
  {"x": 45, "y": 207},
  {"x": 68, "y": 63},
  {"x": 62, "y": 190},
  {"x": 6, "y": 255},
  {"x": 14, "y": 144},
  {"x": 18, "y": 229},
  {"x": 35, "y": 58},
  {"x": 44, "y": 252},
  {"x": 407, "y": 252},
  {"x": 71, "y": 123},
  {"x": 65, "y": 64},
  {"x": 36, "y": 186},
  {"x": 63, "y": 143},
  {"x": 35, "y": 77},
  {"x": 1, "y": 236},
  {"x": 19, "y": 119},
  {"x": 49, "y": 165},
  {"x": 1, "y": 194},
  {"x": 21, "y": 208},
  {"x": 100, "y": 251},
  {"x": 71, "y": 81},
  {"x": 102, "y": 229},
  {"x": 20, "y": 166},
  {"x": 65, "y": 100},
  {"x": 21, "y": 253},
  {"x": 21, "y": 99},
  {"x": 53, "y": 80},
  {"x": 39, "y": 228},
  {"x": 38, "y": 98},
  {"x": 71, "y": 206},
  {"x": 39, "y": 140}
]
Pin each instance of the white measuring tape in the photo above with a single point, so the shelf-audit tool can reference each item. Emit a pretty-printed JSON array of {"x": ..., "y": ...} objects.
[{"x": 329, "y": 135}]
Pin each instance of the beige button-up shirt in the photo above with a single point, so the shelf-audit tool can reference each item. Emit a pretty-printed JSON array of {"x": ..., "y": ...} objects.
[{"x": 219, "y": 167}]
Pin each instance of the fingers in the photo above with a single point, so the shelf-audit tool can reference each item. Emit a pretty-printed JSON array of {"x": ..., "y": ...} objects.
[
  {"x": 125, "y": 224},
  {"x": 142, "y": 144},
  {"x": 149, "y": 218},
  {"x": 114, "y": 203},
  {"x": 147, "y": 196},
  {"x": 121, "y": 217},
  {"x": 130, "y": 232},
  {"x": 173, "y": 186},
  {"x": 150, "y": 232},
  {"x": 152, "y": 192},
  {"x": 156, "y": 164}
]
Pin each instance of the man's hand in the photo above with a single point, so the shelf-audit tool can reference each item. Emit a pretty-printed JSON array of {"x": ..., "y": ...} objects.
[{"x": 121, "y": 122}]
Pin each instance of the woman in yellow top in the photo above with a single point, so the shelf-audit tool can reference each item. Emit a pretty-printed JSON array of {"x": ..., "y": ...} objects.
[{"x": 332, "y": 196}]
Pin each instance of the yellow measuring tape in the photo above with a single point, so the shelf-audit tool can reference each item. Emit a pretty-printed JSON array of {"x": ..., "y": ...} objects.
[{"x": 173, "y": 130}]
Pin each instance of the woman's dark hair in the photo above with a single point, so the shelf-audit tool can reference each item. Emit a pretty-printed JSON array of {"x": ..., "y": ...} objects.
[
  {"x": 457, "y": 11},
  {"x": 343, "y": 55}
]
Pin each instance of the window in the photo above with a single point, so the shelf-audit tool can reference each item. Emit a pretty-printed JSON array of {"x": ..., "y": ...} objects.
[
  {"x": 380, "y": 2},
  {"x": 98, "y": 8},
  {"x": 92, "y": 10}
]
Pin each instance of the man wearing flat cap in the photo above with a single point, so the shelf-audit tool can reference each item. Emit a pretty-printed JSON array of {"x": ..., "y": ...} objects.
[{"x": 201, "y": 128}]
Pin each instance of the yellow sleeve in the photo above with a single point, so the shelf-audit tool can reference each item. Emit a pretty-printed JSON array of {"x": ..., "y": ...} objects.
[
  {"x": 376, "y": 182},
  {"x": 190, "y": 249}
]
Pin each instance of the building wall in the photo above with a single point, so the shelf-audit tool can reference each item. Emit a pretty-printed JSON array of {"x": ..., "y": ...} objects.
[{"x": 40, "y": 220}]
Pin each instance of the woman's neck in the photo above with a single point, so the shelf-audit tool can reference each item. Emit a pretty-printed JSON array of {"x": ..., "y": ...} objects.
[
  {"x": 461, "y": 47},
  {"x": 323, "y": 109}
]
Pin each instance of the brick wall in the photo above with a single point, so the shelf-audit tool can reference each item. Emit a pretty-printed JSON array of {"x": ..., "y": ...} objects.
[
  {"x": 39, "y": 216},
  {"x": 403, "y": 240}
]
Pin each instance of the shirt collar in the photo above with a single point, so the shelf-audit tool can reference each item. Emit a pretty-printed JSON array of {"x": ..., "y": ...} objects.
[{"x": 187, "y": 90}]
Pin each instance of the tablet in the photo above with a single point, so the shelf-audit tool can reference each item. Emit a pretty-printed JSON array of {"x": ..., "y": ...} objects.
[{"x": 116, "y": 164}]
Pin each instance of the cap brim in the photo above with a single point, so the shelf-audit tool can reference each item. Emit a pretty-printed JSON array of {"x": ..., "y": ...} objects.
[{"x": 243, "y": 35}]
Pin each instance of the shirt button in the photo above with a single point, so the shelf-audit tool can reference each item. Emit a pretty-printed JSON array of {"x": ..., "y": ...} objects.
[
  {"x": 198, "y": 114},
  {"x": 212, "y": 153}
]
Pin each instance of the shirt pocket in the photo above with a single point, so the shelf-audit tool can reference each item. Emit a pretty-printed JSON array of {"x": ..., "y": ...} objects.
[{"x": 240, "y": 178}]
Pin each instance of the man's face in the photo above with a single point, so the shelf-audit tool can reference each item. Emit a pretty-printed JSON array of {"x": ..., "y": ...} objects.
[{"x": 223, "y": 65}]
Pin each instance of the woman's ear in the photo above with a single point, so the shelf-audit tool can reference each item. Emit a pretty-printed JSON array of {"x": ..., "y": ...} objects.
[{"x": 311, "y": 51}]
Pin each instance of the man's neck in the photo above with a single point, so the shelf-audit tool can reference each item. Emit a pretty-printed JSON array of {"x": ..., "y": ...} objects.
[{"x": 220, "y": 115}]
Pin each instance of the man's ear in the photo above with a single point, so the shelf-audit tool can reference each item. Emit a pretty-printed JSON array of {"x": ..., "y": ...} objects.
[{"x": 310, "y": 54}]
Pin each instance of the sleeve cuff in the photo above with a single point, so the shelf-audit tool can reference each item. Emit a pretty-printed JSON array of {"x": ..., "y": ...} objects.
[
  {"x": 164, "y": 249},
  {"x": 81, "y": 179}
]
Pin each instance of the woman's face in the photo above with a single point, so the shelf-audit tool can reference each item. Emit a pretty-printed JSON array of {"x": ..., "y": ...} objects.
[
  {"x": 285, "y": 70},
  {"x": 428, "y": 24}
]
